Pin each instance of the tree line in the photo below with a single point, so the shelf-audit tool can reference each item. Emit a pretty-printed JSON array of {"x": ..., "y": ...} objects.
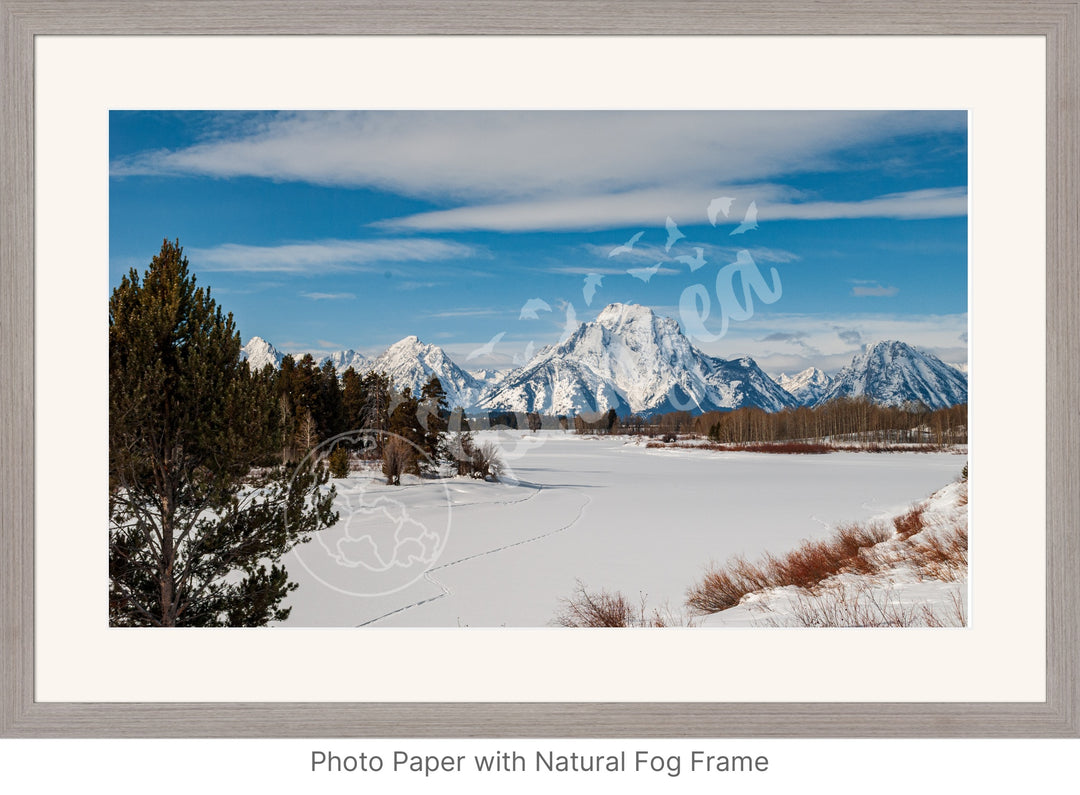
[
  {"x": 211, "y": 481},
  {"x": 857, "y": 420}
]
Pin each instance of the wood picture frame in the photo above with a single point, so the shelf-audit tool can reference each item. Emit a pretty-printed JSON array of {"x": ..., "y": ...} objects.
[{"x": 22, "y": 716}]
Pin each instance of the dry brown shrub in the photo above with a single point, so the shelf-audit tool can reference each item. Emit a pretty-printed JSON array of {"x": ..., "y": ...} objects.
[
  {"x": 789, "y": 448},
  {"x": 398, "y": 458},
  {"x": 806, "y": 566},
  {"x": 909, "y": 523},
  {"x": 604, "y": 609},
  {"x": 863, "y": 606},
  {"x": 942, "y": 554},
  {"x": 724, "y": 587}
]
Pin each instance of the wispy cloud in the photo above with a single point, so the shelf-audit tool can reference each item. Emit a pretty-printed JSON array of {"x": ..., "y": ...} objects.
[
  {"x": 721, "y": 255},
  {"x": 328, "y": 296},
  {"x": 874, "y": 291},
  {"x": 501, "y": 155},
  {"x": 472, "y": 312},
  {"x": 324, "y": 256},
  {"x": 849, "y": 335},
  {"x": 645, "y": 207},
  {"x": 829, "y": 341},
  {"x": 931, "y": 203}
]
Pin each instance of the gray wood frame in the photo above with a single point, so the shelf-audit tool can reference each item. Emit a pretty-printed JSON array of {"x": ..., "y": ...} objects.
[{"x": 22, "y": 20}]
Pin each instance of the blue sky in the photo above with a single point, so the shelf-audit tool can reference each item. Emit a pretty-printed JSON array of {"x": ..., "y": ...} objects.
[{"x": 332, "y": 230}]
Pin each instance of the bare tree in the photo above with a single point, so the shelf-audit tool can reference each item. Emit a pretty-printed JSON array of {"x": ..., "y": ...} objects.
[{"x": 397, "y": 458}]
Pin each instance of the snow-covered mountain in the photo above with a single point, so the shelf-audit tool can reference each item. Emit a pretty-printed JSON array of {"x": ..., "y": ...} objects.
[
  {"x": 258, "y": 353},
  {"x": 806, "y": 387},
  {"x": 893, "y": 373},
  {"x": 635, "y": 361},
  {"x": 343, "y": 360},
  {"x": 487, "y": 374},
  {"x": 632, "y": 360},
  {"x": 411, "y": 363}
]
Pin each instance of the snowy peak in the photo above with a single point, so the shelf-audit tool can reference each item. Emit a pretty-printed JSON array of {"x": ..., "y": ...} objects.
[
  {"x": 411, "y": 363},
  {"x": 634, "y": 361},
  {"x": 635, "y": 323},
  {"x": 617, "y": 317},
  {"x": 893, "y": 373},
  {"x": 258, "y": 353},
  {"x": 343, "y": 360},
  {"x": 807, "y": 386}
]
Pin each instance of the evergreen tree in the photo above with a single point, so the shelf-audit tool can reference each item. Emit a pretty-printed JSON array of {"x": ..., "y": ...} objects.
[
  {"x": 376, "y": 389},
  {"x": 338, "y": 462},
  {"x": 305, "y": 385},
  {"x": 200, "y": 514},
  {"x": 285, "y": 390},
  {"x": 434, "y": 418},
  {"x": 354, "y": 400},
  {"x": 404, "y": 422},
  {"x": 331, "y": 407}
]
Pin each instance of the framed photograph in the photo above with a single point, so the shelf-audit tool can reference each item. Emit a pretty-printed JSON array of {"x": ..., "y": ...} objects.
[{"x": 522, "y": 379}]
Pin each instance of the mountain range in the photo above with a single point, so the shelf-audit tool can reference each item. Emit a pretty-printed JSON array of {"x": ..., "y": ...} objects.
[
  {"x": 893, "y": 373},
  {"x": 635, "y": 361}
]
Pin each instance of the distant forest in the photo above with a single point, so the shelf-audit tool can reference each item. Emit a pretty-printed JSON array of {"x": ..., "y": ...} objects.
[{"x": 315, "y": 404}]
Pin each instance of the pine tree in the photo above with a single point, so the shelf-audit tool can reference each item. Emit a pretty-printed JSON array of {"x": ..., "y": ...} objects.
[
  {"x": 433, "y": 414},
  {"x": 338, "y": 462},
  {"x": 200, "y": 511},
  {"x": 331, "y": 407},
  {"x": 376, "y": 389},
  {"x": 404, "y": 423},
  {"x": 354, "y": 401}
]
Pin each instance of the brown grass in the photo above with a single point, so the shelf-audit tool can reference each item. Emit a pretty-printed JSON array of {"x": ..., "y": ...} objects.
[
  {"x": 604, "y": 609},
  {"x": 725, "y": 586},
  {"x": 942, "y": 554},
  {"x": 788, "y": 448},
  {"x": 796, "y": 448},
  {"x": 909, "y": 523},
  {"x": 862, "y": 606},
  {"x": 805, "y": 567}
]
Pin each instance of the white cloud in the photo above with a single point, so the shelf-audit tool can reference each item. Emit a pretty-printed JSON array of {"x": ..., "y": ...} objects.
[
  {"x": 712, "y": 254},
  {"x": 472, "y": 312},
  {"x": 932, "y": 203},
  {"x": 648, "y": 208},
  {"x": 323, "y": 256},
  {"x": 328, "y": 296},
  {"x": 636, "y": 208},
  {"x": 874, "y": 291},
  {"x": 503, "y": 156}
]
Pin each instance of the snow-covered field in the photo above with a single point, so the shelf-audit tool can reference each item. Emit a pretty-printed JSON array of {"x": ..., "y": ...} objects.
[{"x": 605, "y": 511}]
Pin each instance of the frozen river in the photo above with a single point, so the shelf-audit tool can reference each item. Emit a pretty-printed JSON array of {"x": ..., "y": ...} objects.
[{"x": 612, "y": 514}]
